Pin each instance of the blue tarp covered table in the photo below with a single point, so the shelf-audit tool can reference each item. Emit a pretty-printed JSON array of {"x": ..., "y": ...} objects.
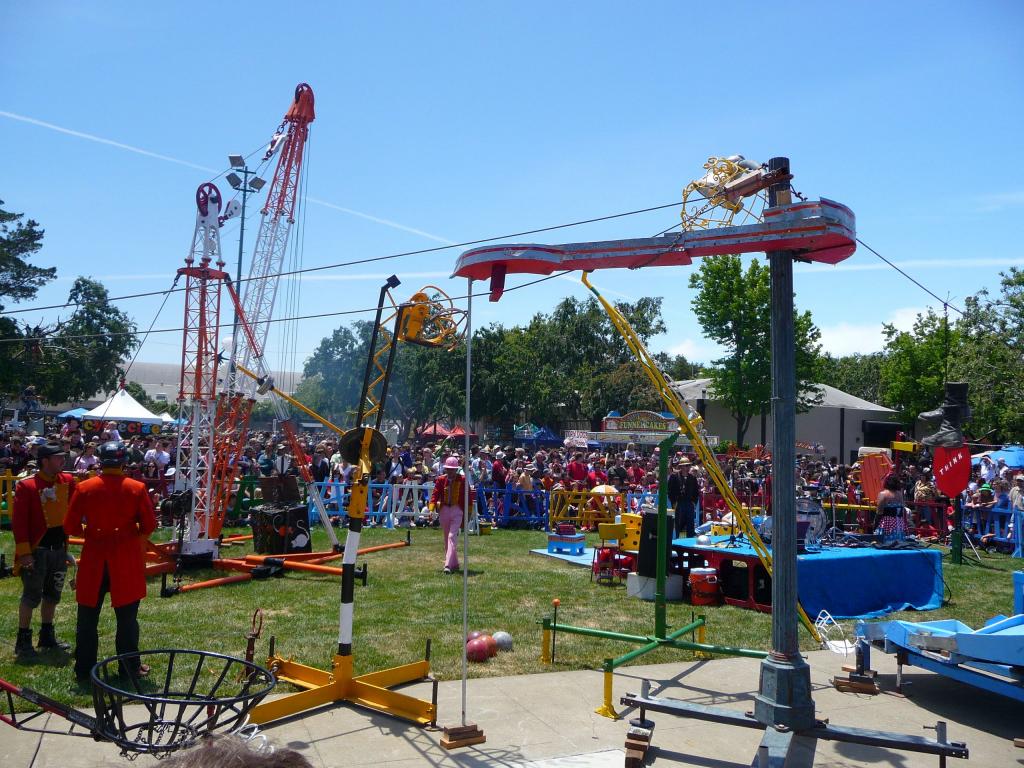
[{"x": 850, "y": 582}]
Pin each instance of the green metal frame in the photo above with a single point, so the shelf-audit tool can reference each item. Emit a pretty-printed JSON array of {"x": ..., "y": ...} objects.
[{"x": 661, "y": 637}]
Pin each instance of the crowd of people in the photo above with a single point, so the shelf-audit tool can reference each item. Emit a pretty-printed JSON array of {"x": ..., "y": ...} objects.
[
  {"x": 105, "y": 488},
  {"x": 530, "y": 470}
]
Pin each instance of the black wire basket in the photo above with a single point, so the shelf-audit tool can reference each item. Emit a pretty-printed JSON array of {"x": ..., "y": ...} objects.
[{"x": 186, "y": 695}]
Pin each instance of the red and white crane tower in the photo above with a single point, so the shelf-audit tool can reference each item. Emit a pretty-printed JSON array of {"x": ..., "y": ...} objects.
[
  {"x": 216, "y": 423},
  {"x": 234, "y": 407},
  {"x": 197, "y": 396}
]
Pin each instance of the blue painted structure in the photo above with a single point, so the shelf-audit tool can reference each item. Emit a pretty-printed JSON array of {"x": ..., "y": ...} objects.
[{"x": 991, "y": 658}]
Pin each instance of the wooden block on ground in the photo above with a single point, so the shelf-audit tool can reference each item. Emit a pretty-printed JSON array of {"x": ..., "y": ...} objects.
[
  {"x": 1018, "y": 743},
  {"x": 850, "y": 686},
  {"x": 455, "y": 731},
  {"x": 462, "y": 736},
  {"x": 639, "y": 746},
  {"x": 634, "y": 758}
]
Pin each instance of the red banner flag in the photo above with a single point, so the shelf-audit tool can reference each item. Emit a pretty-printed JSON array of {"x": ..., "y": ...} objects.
[{"x": 952, "y": 468}]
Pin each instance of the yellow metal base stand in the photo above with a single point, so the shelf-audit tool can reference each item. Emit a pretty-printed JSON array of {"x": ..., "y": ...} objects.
[{"x": 370, "y": 691}]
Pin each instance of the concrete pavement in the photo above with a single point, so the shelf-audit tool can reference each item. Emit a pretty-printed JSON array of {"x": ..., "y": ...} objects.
[{"x": 548, "y": 721}]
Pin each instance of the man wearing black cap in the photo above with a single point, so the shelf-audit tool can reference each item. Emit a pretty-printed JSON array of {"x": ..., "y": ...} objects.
[
  {"x": 40, "y": 546},
  {"x": 114, "y": 515}
]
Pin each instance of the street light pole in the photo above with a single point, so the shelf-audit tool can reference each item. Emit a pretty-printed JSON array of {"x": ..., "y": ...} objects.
[{"x": 245, "y": 186}]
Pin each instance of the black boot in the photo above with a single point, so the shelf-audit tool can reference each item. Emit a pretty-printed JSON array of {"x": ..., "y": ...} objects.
[
  {"x": 23, "y": 645},
  {"x": 950, "y": 415},
  {"x": 48, "y": 640}
]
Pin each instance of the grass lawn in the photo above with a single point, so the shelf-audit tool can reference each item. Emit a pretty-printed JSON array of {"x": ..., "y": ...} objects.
[{"x": 409, "y": 600}]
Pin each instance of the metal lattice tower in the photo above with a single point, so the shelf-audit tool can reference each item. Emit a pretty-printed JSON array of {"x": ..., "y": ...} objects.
[
  {"x": 260, "y": 291},
  {"x": 197, "y": 403}
]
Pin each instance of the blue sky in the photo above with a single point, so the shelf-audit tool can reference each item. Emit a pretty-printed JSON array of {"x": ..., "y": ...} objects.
[{"x": 445, "y": 122}]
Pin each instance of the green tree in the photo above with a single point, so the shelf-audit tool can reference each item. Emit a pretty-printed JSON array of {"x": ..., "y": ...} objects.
[
  {"x": 913, "y": 369},
  {"x": 340, "y": 362},
  {"x": 19, "y": 280},
  {"x": 856, "y": 374},
  {"x": 137, "y": 391},
  {"x": 990, "y": 355},
  {"x": 733, "y": 307},
  {"x": 82, "y": 355},
  {"x": 677, "y": 367},
  {"x": 20, "y": 240}
]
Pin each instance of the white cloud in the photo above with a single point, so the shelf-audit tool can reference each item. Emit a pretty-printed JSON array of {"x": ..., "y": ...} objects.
[
  {"x": 917, "y": 264},
  {"x": 845, "y": 338},
  {"x": 696, "y": 350},
  {"x": 188, "y": 164},
  {"x": 574, "y": 278},
  {"x": 1000, "y": 201},
  {"x": 378, "y": 220}
]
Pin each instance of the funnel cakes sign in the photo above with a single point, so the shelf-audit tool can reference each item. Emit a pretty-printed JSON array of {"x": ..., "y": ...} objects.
[{"x": 639, "y": 421}]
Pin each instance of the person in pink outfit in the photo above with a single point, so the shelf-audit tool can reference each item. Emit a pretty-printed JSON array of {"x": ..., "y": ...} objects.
[{"x": 448, "y": 498}]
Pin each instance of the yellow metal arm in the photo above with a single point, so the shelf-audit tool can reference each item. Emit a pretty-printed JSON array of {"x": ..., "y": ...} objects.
[
  {"x": 690, "y": 425},
  {"x": 312, "y": 414}
]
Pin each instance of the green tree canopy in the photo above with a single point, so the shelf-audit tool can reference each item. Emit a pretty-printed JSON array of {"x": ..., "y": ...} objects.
[
  {"x": 990, "y": 356},
  {"x": 82, "y": 355},
  {"x": 913, "y": 367},
  {"x": 69, "y": 359},
  {"x": 859, "y": 375},
  {"x": 733, "y": 307},
  {"x": 20, "y": 240}
]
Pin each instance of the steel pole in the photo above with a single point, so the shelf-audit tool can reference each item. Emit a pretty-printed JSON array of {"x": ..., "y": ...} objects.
[
  {"x": 232, "y": 373},
  {"x": 465, "y": 505},
  {"x": 664, "y": 447},
  {"x": 784, "y": 692}
]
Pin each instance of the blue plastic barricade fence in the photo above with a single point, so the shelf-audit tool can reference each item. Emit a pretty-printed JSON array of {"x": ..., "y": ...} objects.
[
  {"x": 999, "y": 525},
  {"x": 336, "y": 497},
  {"x": 512, "y": 507},
  {"x": 489, "y": 502},
  {"x": 407, "y": 499},
  {"x": 1018, "y": 521},
  {"x": 637, "y": 499},
  {"x": 378, "y": 509}
]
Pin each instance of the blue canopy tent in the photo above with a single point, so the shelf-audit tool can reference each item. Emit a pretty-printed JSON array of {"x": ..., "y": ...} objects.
[
  {"x": 1013, "y": 455},
  {"x": 74, "y": 413},
  {"x": 536, "y": 436}
]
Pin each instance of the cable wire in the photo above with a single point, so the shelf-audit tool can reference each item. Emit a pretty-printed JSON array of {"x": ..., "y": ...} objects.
[
  {"x": 944, "y": 302},
  {"x": 372, "y": 259},
  {"x": 21, "y": 340}
]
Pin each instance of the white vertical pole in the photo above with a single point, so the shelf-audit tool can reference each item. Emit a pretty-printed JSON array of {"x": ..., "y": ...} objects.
[{"x": 465, "y": 505}]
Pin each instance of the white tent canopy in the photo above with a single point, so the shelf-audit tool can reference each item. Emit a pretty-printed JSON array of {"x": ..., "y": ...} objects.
[{"x": 123, "y": 407}]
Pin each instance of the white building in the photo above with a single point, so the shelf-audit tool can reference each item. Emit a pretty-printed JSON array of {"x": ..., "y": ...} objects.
[{"x": 838, "y": 426}]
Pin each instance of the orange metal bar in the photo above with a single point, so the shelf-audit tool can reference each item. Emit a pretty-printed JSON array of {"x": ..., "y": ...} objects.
[
  {"x": 376, "y": 548},
  {"x": 294, "y": 556},
  {"x": 229, "y": 564},
  {"x": 155, "y": 569},
  {"x": 310, "y": 568},
  {"x": 236, "y": 579}
]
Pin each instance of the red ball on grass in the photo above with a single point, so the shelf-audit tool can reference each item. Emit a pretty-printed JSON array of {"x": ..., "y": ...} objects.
[
  {"x": 492, "y": 644},
  {"x": 477, "y": 650}
]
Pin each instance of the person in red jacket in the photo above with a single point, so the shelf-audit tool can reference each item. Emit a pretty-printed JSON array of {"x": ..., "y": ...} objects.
[
  {"x": 448, "y": 497},
  {"x": 40, "y": 546},
  {"x": 115, "y": 515},
  {"x": 576, "y": 471}
]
